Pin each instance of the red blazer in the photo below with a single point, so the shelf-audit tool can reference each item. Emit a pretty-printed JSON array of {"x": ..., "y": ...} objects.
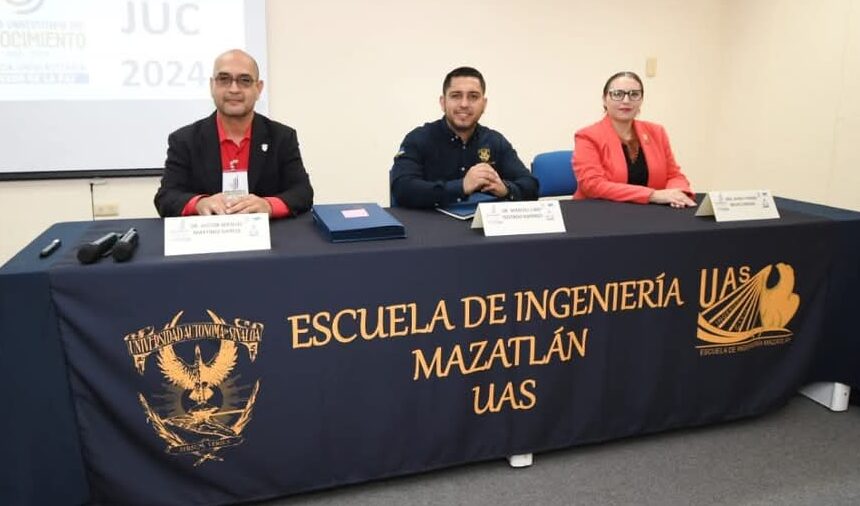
[{"x": 601, "y": 169}]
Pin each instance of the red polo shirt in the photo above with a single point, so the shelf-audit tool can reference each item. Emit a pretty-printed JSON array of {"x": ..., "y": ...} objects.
[{"x": 234, "y": 157}]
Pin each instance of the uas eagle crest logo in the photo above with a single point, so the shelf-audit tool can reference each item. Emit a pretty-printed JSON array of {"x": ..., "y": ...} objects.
[
  {"x": 747, "y": 312},
  {"x": 203, "y": 408}
]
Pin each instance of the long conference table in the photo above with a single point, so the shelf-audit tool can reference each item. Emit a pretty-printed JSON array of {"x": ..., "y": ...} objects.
[{"x": 220, "y": 378}]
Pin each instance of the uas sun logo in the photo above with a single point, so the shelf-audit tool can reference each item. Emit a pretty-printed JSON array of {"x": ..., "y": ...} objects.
[
  {"x": 203, "y": 408},
  {"x": 746, "y": 310}
]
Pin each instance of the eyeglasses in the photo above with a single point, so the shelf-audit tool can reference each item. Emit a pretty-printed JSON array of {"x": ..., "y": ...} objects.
[
  {"x": 618, "y": 95},
  {"x": 225, "y": 80}
]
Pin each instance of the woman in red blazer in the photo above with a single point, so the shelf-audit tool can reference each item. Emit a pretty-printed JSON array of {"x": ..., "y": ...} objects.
[{"x": 626, "y": 160}]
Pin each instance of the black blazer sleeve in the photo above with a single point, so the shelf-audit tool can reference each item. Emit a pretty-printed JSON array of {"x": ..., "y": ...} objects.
[
  {"x": 178, "y": 184},
  {"x": 284, "y": 175}
]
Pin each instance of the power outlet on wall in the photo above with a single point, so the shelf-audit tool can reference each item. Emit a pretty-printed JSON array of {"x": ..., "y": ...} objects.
[{"x": 106, "y": 209}]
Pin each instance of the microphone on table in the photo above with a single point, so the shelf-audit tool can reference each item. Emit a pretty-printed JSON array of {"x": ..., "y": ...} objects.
[
  {"x": 92, "y": 251},
  {"x": 125, "y": 246}
]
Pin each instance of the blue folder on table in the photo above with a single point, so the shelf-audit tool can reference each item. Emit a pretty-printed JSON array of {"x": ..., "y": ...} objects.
[
  {"x": 466, "y": 209},
  {"x": 356, "y": 222}
]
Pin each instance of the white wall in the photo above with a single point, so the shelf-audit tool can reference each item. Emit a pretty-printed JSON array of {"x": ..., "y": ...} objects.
[
  {"x": 790, "y": 108},
  {"x": 753, "y": 93},
  {"x": 355, "y": 77}
]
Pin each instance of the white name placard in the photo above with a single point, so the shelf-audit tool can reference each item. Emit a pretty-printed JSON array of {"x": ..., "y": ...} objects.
[
  {"x": 739, "y": 205},
  {"x": 519, "y": 218},
  {"x": 191, "y": 235}
]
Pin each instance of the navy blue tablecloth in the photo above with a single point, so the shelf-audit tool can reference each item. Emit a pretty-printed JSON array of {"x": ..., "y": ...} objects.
[{"x": 212, "y": 379}]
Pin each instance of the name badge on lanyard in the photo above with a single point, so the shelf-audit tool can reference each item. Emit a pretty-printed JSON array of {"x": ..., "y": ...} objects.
[{"x": 235, "y": 182}]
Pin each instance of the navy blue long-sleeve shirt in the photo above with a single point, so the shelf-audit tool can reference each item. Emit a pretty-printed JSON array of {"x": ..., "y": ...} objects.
[{"x": 429, "y": 168}]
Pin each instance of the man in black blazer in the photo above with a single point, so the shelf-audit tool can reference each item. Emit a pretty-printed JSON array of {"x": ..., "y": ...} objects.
[{"x": 203, "y": 156}]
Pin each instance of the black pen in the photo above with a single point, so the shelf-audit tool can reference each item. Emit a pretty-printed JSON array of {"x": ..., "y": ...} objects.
[{"x": 47, "y": 250}]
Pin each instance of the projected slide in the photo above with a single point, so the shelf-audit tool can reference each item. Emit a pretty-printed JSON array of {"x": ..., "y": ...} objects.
[
  {"x": 94, "y": 67},
  {"x": 111, "y": 49}
]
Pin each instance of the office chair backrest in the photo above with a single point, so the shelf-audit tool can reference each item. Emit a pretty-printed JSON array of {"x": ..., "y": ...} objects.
[{"x": 554, "y": 172}]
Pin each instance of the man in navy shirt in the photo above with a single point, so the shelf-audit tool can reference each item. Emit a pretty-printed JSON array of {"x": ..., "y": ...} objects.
[{"x": 446, "y": 161}]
